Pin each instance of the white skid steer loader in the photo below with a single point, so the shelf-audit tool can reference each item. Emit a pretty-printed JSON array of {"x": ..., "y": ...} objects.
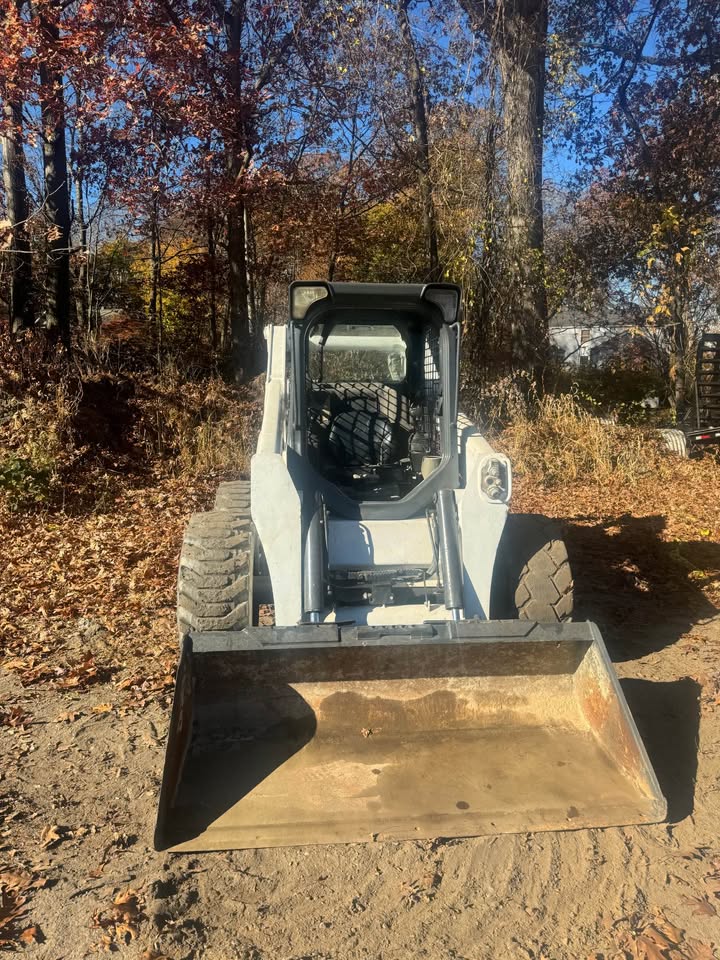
[{"x": 422, "y": 677}]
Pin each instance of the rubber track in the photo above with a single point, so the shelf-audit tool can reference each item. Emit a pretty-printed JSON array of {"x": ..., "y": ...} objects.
[{"x": 215, "y": 573}]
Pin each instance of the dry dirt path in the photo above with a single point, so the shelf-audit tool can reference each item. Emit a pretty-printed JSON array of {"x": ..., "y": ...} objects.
[{"x": 79, "y": 774}]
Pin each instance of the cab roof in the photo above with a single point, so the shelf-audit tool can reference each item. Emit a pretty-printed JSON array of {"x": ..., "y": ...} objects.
[{"x": 306, "y": 296}]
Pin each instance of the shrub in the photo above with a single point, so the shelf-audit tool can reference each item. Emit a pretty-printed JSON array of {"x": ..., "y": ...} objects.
[
  {"x": 559, "y": 441},
  {"x": 25, "y": 482}
]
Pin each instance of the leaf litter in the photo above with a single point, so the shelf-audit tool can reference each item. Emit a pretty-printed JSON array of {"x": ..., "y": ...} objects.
[
  {"x": 657, "y": 938},
  {"x": 122, "y": 643},
  {"x": 119, "y": 922},
  {"x": 15, "y": 891}
]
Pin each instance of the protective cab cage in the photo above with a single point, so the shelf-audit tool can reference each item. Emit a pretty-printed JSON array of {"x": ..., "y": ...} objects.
[{"x": 375, "y": 443}]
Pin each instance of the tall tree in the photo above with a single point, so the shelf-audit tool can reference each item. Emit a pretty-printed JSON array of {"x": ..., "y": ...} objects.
[
  {"x": 521, "y": 39},
  {"x": 517, "y": 30},
  {"x": 260, "y": 43},
  {"x": 12, "y": 87},
  {"x": 418, "y": 100},
  {"x": 656, "y": 155},
  {"x": 56, "y": 201},
  {"x": 18, "y": 210}
]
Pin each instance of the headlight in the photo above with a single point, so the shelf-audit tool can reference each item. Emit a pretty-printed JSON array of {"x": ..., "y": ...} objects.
[
  {"x": 495, "y": 479},
  {"x": 303, "y": 296}
]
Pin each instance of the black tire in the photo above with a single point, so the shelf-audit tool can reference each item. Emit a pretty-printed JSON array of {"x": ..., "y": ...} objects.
[
  {"x": 234, "y": 495},
  {"x": 215, "y": 576},
  {"x": 533, "y": 579}
]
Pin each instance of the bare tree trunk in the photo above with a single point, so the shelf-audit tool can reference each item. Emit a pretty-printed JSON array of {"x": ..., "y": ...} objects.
[
  {"x": 225, "y": 336},
  {"x": 57, "y": 196},
  {"x": 681, "y": 341},
  {"x": 522, "y": 35},
  {"x": 250, "y": 268},
  {"x": 677, "y": 369},
  {"x": 213, "y": 281},
  {"x": 237, "y": 286},
  {"x": 81, "y": 293},
  {"x": 236, "y": 164},
  {"x": 16, "y": 200},
  {"x": 343, "y": 200},
  {"x": 155, "y": 306},
  {"x": 418, "y": 99}
]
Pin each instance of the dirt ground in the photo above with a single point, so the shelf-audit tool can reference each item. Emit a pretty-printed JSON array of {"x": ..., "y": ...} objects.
[{"x": 88, "y": 647}]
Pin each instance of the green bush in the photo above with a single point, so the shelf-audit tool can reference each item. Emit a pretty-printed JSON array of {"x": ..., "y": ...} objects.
[{"x": 24, "y": 482}]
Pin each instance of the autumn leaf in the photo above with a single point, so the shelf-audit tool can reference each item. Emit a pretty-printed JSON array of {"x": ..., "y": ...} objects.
[
  {"x": 646, "y": 949},
  {"x": 701, "y": 906},
  {"x": 14, "y": 717},
  {"x": 668, "y": 930},
  {"x": 659, "y": 939},
  {"x": 30, "y": 935},
  {"x": 14, "y": 888},
  {"x": 127, "y": 904},
  {"x": 68, "y": 717},
  {"x": 122, "y": 920},
  {"x": 52, "y": 835},
  {"x": 696, "y": 950}
]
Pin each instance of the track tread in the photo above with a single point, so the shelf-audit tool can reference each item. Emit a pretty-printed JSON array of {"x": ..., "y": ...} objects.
[
  {"x": 233, "y": 495},
  {"x": 536, "y": 562},
  {"x": 215, "y": 573}
]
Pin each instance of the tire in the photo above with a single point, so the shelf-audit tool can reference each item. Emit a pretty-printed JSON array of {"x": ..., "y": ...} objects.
[
  {"x": 675, "y": 441},
  {"x": 533, "y": 579},
  {"x": 215, "y": 576},
  {"x": 233, "y": 495}
]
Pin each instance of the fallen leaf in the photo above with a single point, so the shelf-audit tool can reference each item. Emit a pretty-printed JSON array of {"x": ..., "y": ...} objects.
[
  {"x": 13, "y": 904},
  {"x": 53, "y": 835},
  {"x": 696, "y": 950},
  {"x": 102, "y": 708},
  {"x": 14, "y": 717},
  {"x": 658, "y": 938},
  {"x": 125, "y": 931},
  {"x": 121, "y": 923},
  {"x": 68, "y": 717},
  {"x": 127, "y": 904},
  {"x": 645, "y": 949},
  {"x": 31, "y": 935},
  {"x": 674, "y": 934},
  {"x": 701, "y": 906}
]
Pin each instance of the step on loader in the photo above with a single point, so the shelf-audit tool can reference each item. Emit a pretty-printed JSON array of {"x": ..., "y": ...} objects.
[{"x": 423, "y": 676}]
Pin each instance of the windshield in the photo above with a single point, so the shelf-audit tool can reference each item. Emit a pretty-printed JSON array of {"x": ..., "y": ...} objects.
[{"x": 357, "y": 352}]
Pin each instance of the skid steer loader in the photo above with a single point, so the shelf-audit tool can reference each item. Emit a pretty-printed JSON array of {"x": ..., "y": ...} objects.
[{"x": 422, "y": 677}]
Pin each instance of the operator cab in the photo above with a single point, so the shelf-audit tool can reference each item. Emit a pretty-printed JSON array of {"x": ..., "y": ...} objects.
[{"x": 373, "y": 401}]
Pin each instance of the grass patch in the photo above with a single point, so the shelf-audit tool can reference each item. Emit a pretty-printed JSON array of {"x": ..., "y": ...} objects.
[{"x": 557, "y": 441}]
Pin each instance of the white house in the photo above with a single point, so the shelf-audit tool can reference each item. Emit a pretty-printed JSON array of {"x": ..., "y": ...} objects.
[{"x": 589, "y": 336}]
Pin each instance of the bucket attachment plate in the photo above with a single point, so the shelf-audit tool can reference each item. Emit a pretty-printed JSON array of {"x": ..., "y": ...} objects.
[{"x": 325, "y": 734}]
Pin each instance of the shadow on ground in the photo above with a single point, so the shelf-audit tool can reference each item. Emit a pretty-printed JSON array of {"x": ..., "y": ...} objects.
[
  {"x": 668, "y": 720},
  {"x": 644, "y": 592}
]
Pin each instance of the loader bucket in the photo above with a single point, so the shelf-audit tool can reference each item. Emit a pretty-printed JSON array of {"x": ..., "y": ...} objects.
[{"x": 325, "y": 734}]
